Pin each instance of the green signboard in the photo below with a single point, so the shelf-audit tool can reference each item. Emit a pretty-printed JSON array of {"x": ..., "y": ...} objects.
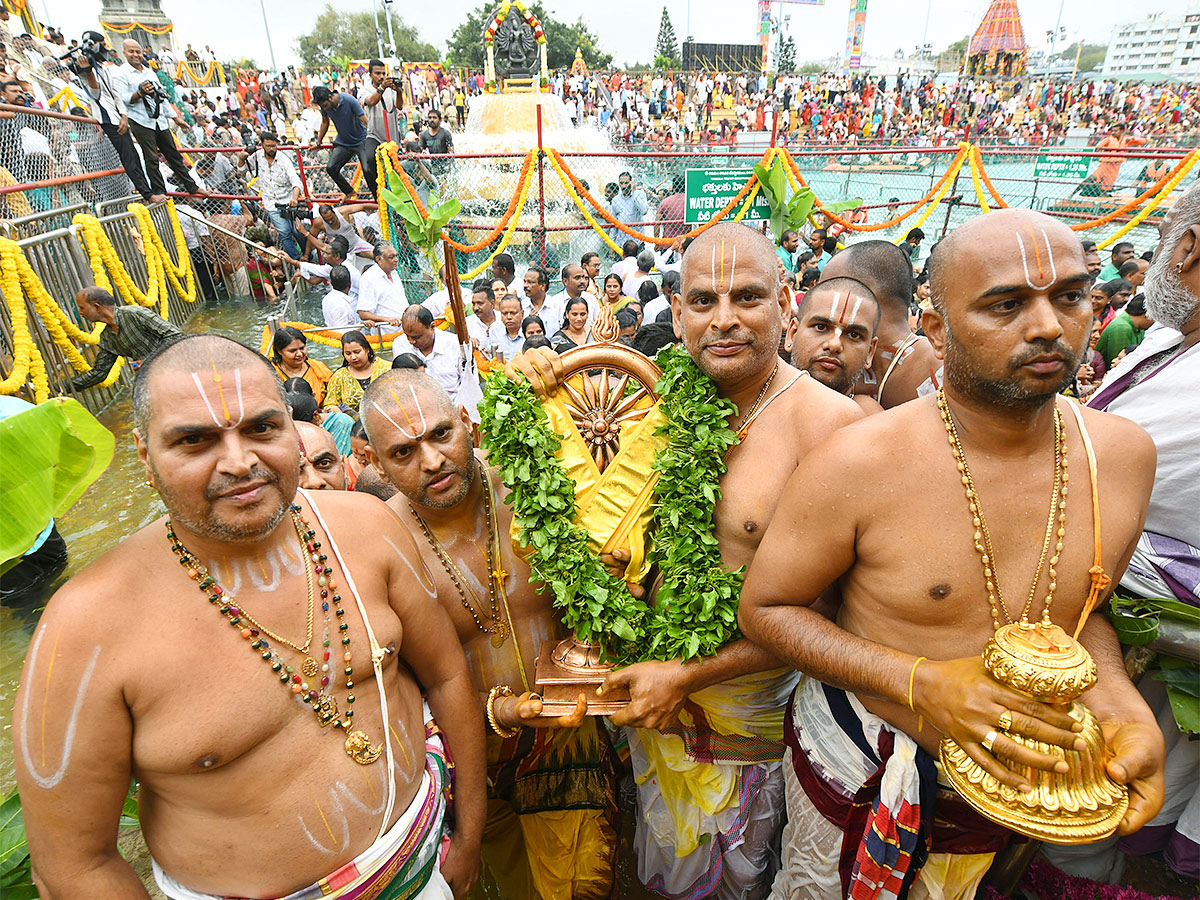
[
  {"x": 708, "y": 191},
  {"x": 1072, "y": 168}
]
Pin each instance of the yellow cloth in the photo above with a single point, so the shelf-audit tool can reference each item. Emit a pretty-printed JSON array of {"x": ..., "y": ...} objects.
[{"x": 613, "y": 506}]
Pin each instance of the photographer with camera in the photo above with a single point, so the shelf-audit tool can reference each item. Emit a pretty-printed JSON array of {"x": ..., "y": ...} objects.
[
  {"x": 382, "y": 122},
  {"x": 279, "y": 187},
  {"x": 150, "y": 114},
  {"x": 88, "y": 64}
]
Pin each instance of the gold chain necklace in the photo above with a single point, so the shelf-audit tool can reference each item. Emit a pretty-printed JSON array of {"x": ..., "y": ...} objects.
[
  {"x": 498, "y": 629},
  {"x": 321, "y": 702},
  {"x": 983, "y": 540},
  {"x": 757, "y": 402}
]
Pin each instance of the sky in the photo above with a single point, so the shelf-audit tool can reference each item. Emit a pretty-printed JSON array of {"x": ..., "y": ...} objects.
[{"x": 628, "y": 28}]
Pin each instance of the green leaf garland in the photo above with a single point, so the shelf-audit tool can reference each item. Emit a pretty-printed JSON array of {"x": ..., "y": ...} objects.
[{"x": 696, "y": 606}]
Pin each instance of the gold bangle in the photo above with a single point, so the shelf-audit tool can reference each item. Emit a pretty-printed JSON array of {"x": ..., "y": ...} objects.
[
  {"x": 500, "y": 690},
  {"x": 912, "y": 676}
]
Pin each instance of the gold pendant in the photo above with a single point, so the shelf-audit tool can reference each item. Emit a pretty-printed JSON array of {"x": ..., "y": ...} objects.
[
  {"x": 310, "y": 667},
  {"x": 359, "y": 749},
  {"x": 326, "y": 709},
  {"x": 499, "y": 634}
]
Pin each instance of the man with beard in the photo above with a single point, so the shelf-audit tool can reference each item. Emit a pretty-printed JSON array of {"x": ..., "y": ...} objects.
[
  {"x": 551, "y": 782},
  {"x": 705, "y": 736},
  {"x": 277, "y": 184},
  {"x": 904, "y": 366},
  {"x": 832, "y": 337},
  {"x": 242, "y": 792},
  {"x": 904, "y": 640},
  {"x": 1155, "y": 386}
]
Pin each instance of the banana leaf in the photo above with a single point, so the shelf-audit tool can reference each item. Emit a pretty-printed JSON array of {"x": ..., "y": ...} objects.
[
  {"x": 14, "y": 849},
  {"x": 1183, "y": 691},
  {"x": 52, "y": 453}
]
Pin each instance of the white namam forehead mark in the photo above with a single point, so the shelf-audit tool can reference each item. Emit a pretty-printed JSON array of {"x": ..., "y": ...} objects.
[
  {"x": 717, "y": 261},
  {"x": 226, "y": 420},
  {"x": 411, "y": 435},
  {"x": 1041, "y": 261}
]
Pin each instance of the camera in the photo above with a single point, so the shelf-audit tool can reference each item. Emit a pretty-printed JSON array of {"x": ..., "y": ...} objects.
[
  {"x": 292, "y": 213},
  {"x": 91, "y": 50}
]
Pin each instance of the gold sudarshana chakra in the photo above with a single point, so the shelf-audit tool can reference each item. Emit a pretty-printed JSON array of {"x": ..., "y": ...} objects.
[{"x": 1044, "y": 662}]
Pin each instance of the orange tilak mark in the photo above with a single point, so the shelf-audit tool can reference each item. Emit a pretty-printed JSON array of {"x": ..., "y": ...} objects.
[
  {"x": 46, "y": 692},
  {"x": 403, "y": 411},
  {"x": 1037, "y": 253},
  {"x": 221, "y": 393}
]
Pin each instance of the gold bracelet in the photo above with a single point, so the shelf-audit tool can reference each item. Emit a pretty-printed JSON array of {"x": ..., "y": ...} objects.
[
  {"x": 500, "y": 690},
  {"x": 911, "y": 678}
]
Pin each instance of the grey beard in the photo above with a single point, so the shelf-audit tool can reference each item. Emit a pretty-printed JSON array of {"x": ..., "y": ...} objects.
[{"x": 1167, "y": 300}]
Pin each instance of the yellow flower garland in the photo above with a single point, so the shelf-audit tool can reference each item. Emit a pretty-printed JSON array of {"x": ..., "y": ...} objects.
[{"x": 1162, "y": 195}]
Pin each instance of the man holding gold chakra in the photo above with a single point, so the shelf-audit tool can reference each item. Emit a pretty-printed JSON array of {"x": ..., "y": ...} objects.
[
  {"x": 925, "y": 579},
  {"x": 551, "y": 786},
  {"x": 705, "y": 735}
]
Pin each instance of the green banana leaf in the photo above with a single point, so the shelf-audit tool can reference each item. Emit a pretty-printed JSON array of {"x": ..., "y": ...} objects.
[
  {"x": 52, "y": 453},
  {"x": 1183, "y": 691},
  {"x": 14, "y": 849}
]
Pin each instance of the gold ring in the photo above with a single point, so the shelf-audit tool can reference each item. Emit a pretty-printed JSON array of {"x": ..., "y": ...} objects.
[
  {"x": 989, "y": 739},
  {"x": 1004, "y": 723}
]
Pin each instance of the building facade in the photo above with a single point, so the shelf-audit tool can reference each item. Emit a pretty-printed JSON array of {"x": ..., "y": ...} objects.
[{"x": 1157, "y": 43}]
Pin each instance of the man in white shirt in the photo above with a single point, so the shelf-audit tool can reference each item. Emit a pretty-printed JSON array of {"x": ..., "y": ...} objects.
[
  {"x": 381, "y": 297},
  {"x": 537, "y": 282},
  {"x": 507, "y": 334},
  {"x": 337, "y": 307},
  {"x": 505, "y": 269},
  {"x": 635, "y": 279},
  {"x": 318, "y": 273},
  {"x": 628, "y": 263},
  {"x": 438, "y": 349},
  {"x": 438, "y": 301},
  {"x": 278, "y": 186},
  {"x": 479, "y": 325},
  {"x": 574, "y": 279},
  {"x": 150, "y": 114}
]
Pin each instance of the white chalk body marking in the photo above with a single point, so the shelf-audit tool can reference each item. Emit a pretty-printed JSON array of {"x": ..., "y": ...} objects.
[
  {"x": 732, "y": 267},
  {"x": 857, "y": 305},
  {"x": 1025, "y": 261},
  {"x": 52, "y": 780},
  {"x": 412, "y": 436},
  {"x": 424, "y": 577},
  {"x": 345, "y": 840}
]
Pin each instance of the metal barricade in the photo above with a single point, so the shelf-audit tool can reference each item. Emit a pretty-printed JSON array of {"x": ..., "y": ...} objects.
[{"x": 38, "y": 223}]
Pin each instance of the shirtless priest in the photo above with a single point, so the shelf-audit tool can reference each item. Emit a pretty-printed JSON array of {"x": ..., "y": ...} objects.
[
  {"x": 925, "y": 576},
  {"x": 550, "y": 828},
  {"x": 292, "y": 752},
  {"x": 705, "y": 736}
]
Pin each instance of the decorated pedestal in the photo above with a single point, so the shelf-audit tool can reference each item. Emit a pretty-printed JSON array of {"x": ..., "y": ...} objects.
[{"x": 1081, "y": 806}]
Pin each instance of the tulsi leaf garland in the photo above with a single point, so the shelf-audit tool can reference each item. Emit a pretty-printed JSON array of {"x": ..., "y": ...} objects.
[{"x": 695, "y": 611}]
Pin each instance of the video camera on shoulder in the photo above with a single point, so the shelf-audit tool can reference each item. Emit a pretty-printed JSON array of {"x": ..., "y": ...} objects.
[{"x": 92, "y": 53}]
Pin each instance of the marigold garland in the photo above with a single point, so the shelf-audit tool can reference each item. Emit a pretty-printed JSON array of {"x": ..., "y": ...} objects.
[
  {"x": 1162, "y": 195},
  {"x": 695, "y": 613}
]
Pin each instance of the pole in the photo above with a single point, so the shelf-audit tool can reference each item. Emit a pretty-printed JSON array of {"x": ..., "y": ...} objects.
[
  {"x": 387, "y": 14},
  {"x": 456, "y": 303},
  {"x": 378, "y": 31},
  {"x": 267, "y": 28},
  {"x": 953, "y": 200},
  {"x": 541, "y": 191},
  {"x": 1054, "y": 37}
]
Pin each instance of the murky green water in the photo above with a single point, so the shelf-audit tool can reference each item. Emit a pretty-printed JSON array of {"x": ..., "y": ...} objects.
[{"x": 119, "y": 503}]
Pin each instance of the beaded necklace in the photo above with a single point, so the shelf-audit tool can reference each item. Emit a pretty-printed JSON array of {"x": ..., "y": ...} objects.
[
  {"x": 322, "y": 702},
  {"x": 983, "y": 539},
  {"x": 496, "y": 627}
]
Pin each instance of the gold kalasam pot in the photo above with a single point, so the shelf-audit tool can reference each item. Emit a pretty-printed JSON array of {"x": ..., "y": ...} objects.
[{"x": 1080, "y": 807}]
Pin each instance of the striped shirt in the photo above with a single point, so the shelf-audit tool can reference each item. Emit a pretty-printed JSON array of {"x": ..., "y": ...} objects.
[{"x": 136, "y": 332}]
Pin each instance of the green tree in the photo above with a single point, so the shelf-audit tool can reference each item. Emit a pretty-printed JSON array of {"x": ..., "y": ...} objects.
[
  {"x": 336, "y": 33},
  {"x": 813, "y": 68},
  {"x": 667, "y": 45},
  {"x": 785, "y": 62},
  {"x": 465, "y": 47},
  {"x": 246, "y": 62},
  {"x": 1091, "y": 57},
  {"x": 959, "y": 46}
]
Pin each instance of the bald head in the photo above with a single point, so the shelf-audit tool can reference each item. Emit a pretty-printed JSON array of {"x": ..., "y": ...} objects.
[
  {"x": 884, "y": 268},
  {"x": 194, "y": 353},
  {"x": 1006, "y": 248},
  {"x": 419, "y": 438},
  {"x": 391, "y": 395},
  {"x": 133, "y": 52}
]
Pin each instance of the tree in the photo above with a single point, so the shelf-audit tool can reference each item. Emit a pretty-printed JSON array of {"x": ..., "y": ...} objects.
[
  {"x": 668, "y": 44},
  {"x": 813, "y": 68},
  {"x": 785, "y": 63},
  {"x": 336, "y": 33},
  {"x": 1091, "y": 56},
  {"x": 465, "y": 47}
]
